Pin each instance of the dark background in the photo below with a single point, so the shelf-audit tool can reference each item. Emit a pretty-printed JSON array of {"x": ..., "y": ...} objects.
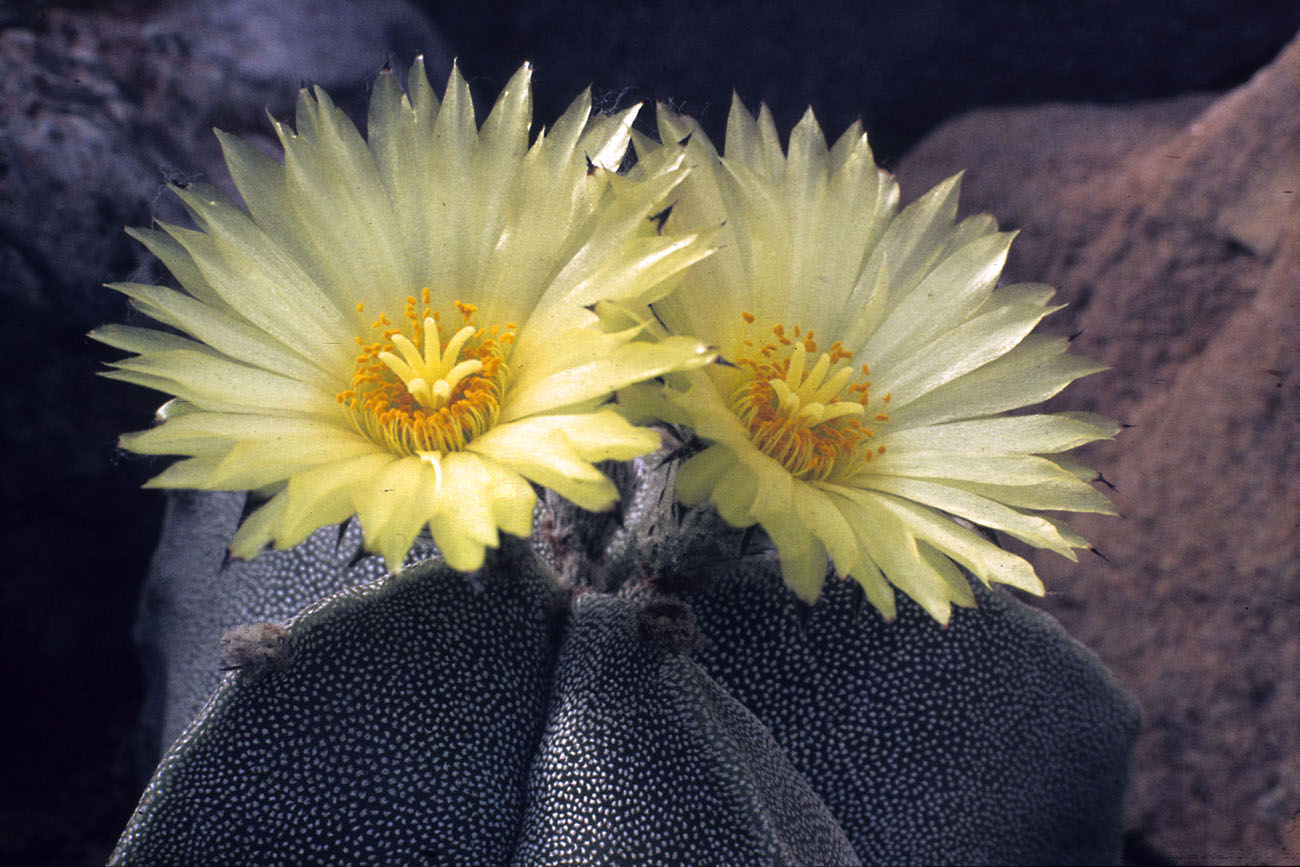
[{"x": 78, "y": 531}]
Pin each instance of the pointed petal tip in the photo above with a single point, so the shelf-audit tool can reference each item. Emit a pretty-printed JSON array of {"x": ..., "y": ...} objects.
[
  {"x": 805, "y": 596},
  {"x": 523, "y": 75}
]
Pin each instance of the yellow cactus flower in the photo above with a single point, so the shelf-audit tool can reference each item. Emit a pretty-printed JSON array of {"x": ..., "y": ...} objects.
[
  {"x": 869, "y": 361},
  {"x": 397, "y": 326}
]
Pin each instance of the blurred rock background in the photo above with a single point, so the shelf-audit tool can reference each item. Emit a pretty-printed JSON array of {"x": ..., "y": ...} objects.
[{"x": 1166, "y": 213}]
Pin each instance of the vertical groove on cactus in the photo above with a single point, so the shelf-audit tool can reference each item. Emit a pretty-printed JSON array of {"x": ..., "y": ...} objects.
[{"x": 646, "y": 758}]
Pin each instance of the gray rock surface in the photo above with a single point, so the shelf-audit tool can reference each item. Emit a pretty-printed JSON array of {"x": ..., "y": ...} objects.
[{"x": 99, "y": 111}]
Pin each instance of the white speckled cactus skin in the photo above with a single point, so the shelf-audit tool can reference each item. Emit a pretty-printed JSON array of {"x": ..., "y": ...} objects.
[{"x": 440, "y": 718}]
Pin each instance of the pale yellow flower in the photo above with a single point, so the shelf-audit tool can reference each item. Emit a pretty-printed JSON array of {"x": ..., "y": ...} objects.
[
  {"x": 396, "y": 327},
  {"x": 871, "y": 359}
]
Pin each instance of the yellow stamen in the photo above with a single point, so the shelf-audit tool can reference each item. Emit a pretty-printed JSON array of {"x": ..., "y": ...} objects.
[
  {"x": 807, "y": 417},
  {"x": 416, "y": 395}
]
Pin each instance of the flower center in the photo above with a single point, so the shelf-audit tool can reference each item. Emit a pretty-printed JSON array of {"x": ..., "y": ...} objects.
[
  {"x": 415, "y": 393},
  {"x": 812, "y": 419}
]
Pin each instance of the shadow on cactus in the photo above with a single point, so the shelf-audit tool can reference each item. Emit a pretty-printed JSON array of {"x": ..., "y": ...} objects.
[{"x": 756, "y": 399}]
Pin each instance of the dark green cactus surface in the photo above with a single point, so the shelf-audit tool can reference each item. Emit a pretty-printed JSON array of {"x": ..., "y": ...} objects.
[{"x": 708, "y": 717}]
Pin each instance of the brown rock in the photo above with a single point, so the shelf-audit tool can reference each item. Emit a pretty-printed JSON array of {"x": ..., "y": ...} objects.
[{"x": 1173, "y": 229}]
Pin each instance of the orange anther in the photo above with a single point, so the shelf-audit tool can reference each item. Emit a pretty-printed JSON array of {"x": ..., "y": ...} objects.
[
  {"x": 383, "y": 408},
  {"x": 797, "y": 425}
]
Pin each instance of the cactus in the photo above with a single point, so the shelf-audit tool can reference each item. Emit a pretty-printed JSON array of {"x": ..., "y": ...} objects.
[
  {"x": 682, "y": 707},
  {"x": 644, "y": 688}
]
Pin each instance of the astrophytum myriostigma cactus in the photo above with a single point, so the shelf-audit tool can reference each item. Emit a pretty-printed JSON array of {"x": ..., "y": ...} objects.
[
  {"x": 497, "y": 718},
  {"x": 408, "y": 336}
]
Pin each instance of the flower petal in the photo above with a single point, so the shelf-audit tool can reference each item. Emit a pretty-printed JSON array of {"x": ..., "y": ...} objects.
[
  {"x": 189, "y": 473},
  {"x": 1032, "y": 529},
  {"x": 212, "y": 382},
  {"x": 819, "y": 512},
  {"x": 194, "y": 428},
  {"x": 322, "y": 496},
  {"x": 178, "y": 262},
  {"x": 257, "y": 530},
  {"x": 873, "y": 583},
  {"x": 585, "y": 365},
  {"x": 469, "y": 499},
  {"x": 255, "y": 463},
  {"x": 965, "y": 348},
  {"x": 1012, "y": 469},
  {"x": 230, "y": 335},
  {"x": 700, "y": 474},
  {"x": 557, "y": 451},
  {"x": 393, "y": 504},
  {"x": 947, "y": 295},
  {"x": 1025, "y": 434},
  {"x": 335, "y": 189},
  {"x": 958, "y": 588},
  {"x": 1066, "y": 494},
  {"x": 1038, "y": 368},
  {"x": 984, "y": 559},
  {"x": 257, "y": 278},
  {"x": 893, "y": 548}
]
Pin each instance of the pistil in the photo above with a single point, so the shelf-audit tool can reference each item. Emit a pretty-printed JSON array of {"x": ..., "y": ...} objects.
[
  {"x": 810, "y": 420},
  {"x": 416, "y": 395}
]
